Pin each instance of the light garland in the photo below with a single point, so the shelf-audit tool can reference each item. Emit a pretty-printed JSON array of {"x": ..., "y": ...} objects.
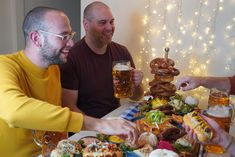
[{"x": 191, "y": 38}]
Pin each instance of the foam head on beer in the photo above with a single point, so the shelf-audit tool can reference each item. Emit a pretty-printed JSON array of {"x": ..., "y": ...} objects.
[
  {"x": 121, "y": 67},
  {"x": 219, "y": 111}
]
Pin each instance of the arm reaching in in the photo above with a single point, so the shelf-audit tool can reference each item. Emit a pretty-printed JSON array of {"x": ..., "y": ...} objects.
[
  {"x": 191, "y": 82},
  {"x": 119, "y": 127},
  {"x": 220, "y": 137}
]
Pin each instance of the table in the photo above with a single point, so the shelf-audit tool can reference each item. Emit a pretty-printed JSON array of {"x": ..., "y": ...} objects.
[{"x": 125, "y": 104}]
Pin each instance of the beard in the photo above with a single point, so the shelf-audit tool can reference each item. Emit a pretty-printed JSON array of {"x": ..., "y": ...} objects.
[
  {"x": 50, "y": 55},
  {"x": 101, "y": 38}
]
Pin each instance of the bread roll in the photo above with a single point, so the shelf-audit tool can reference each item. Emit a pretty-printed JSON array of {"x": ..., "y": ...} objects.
[{"x": 202, "y": 129}]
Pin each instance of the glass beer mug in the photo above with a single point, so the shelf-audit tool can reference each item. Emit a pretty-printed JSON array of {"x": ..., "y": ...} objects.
[
  {"x": 122, "y": 79},
  {"x": 219, "y": 109},
  {"x": 48, "y": 140}
]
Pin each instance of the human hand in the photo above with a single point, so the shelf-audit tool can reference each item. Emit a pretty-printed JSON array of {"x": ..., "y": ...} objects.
[
  {"x": 122, "y": 128},
  {"x": 188, "y": 82},
  {"x": 219, "y": 135},
  {"x": 137, "y": 77}
]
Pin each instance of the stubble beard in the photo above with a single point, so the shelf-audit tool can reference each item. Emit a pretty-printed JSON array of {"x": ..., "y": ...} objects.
[{"x": 51, "y": 56}]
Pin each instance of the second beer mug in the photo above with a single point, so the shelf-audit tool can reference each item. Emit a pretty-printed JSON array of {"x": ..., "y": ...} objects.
[
  {"x": 222, "y": 112},
  {"x": 48, "y": 140},
  {"x": 122, "y": 79}
]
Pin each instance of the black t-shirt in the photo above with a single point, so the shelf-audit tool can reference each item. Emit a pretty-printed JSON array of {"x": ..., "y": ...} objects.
[{"x": 91, "y": 75}]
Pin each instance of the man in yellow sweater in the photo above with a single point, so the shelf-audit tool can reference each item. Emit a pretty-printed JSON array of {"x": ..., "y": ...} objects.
[{"x": 30, "y": 90}]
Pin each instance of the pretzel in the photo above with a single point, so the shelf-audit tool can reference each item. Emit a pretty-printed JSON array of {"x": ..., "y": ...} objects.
[
  {"x": 161, "y": 63},
  {"x": 163, "y": 87},
  {"x": 168, "y": 71}
]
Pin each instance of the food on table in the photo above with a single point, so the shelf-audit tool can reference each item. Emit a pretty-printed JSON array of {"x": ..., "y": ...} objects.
[
  {"x": 164, "y": 89},
  {"x": 88, "y": 140},
  {"x": 157, "y": 102},
  {"x": 163, "y": 144},
  {"x": 147, "y": 138},
  {"x": 191, "y": 100},
  {"x": 177, "y": 104},
  {"x": 144, "y": 151},
  {"x": 155, "y": 117},
  {"x": 66, "y": 147},
  {"x": 102, "y": 137},
  {"x": 115, "y": 139},
  {"x": 145, "y": 106},
  {"x": 104, "y": 149},
  {"x": 171, "y": 134},
  {"x": 163, "y": 153},
  {"x": 157, "y": 122},
  {"x": 202, "y": 129},
  {"x": 177, "y": 118},
  {"x": 186, "y": 146},
  {"x": 181, "y": 106},
  {"x": 164, "y": 72},
  {"x": 183, "y": 144},
  {"x": 166, "y": 109},
  {"x": 124, "y": 146},
  {"x": 163, "y": 67}
]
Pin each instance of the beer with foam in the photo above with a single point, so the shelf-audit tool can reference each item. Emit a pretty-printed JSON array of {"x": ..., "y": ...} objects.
[
  {"x": 122, "y": 79},
  {"x": 221, "y": 111},
  {"x": 218, "y": 97}
]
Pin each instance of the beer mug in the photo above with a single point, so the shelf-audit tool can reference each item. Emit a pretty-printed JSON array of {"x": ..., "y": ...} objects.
[
  {"x": 122, "y": 79},
  {"x": 48, "y": 140},
  {"x": 220, "y": 110}
]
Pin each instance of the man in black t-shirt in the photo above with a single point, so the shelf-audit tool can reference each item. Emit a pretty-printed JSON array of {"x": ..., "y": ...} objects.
[{"x": 87, "y": 76}]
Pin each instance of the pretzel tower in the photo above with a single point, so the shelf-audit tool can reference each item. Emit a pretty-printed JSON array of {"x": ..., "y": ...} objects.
[{"x": 164, "y": 72}]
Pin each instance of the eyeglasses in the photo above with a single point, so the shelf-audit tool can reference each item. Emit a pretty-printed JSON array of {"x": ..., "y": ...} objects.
[{"x": 66, "y": 37}]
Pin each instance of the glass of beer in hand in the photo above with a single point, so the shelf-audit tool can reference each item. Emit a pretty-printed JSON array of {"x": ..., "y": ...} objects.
[
  {"x": 122, "y": 79},
  {"x": 222, "y": 112}
]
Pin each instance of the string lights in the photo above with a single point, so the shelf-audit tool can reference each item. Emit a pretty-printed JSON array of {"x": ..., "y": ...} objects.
[{"x": 189, "y": 32}]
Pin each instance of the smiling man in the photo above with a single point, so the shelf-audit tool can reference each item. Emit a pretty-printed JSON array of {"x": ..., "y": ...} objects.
[{"x": 87, "y": 76}]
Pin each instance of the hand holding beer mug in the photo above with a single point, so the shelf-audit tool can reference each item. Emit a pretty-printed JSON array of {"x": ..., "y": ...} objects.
[
  {"x": 122, "y": 79},
  {"x": 220, "y": 110},
  {"x": 48, "y": 140}
]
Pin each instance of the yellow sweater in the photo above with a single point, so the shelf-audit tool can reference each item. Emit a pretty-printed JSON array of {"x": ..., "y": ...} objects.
[{"x": 30, "y": 99}]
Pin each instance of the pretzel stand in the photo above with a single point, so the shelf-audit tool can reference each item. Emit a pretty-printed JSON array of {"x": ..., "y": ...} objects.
[{"x": 164, "y": 72}]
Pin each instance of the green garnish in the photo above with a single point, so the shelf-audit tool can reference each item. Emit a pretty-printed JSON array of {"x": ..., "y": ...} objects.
[
  {"x": 155, "y": 116},
  {"x": 125, "y": 147},
  {"x": 102, "y": 137},
  {"x": 182, "y": 148},
  {"x": 65, "y": 155}
]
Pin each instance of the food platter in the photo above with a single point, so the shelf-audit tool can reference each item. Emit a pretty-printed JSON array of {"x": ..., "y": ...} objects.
[
  {"x": 164, "y": 118},
  {"x": 132, "y": 113}
]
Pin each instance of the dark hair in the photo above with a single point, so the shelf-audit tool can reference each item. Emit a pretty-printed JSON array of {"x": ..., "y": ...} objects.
[
  {"x": 87, "y": 14},
  {"x": 34, "y": 20}
]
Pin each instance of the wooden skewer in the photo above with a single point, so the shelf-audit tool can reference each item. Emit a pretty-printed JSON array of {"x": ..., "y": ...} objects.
[{"x": 166, "y": 52}]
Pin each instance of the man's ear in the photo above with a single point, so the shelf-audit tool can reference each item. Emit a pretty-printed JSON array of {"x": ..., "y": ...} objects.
[
  {"x": 85, "y": 24},
  {"x": 36, "y": 38}
]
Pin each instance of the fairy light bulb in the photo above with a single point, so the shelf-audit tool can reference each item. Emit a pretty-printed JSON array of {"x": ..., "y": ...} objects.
[{"x": 169, "y": 7}]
